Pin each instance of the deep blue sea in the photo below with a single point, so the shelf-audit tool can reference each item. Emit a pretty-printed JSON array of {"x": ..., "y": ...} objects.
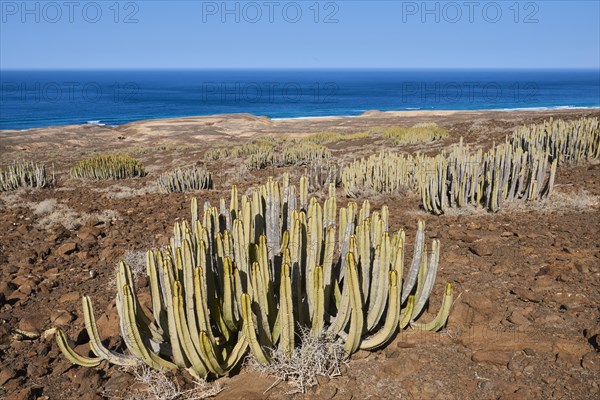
[{"x": 41, "y": 98}]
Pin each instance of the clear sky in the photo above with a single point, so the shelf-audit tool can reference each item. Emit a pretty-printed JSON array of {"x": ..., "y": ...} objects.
[{"x": 299, "y": 34}]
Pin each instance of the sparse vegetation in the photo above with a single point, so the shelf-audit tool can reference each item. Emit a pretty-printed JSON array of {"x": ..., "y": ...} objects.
[
  {"x": 159, "y": 148},
  {"x": 23, "y": 175},
  {"x": 268, "y": 151},
  {"x": 324, "y": 137},
  {"x": 304, "y": 153},
  {"x": 122, "y": 191},
  {"x": 323, "y": 173},
  {"x": 108, "y": 166},
  {"x": 185, "y": 180}
]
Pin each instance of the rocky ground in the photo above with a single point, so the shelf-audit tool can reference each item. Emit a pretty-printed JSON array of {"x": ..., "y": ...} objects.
[{"x": 525, "y": 323}]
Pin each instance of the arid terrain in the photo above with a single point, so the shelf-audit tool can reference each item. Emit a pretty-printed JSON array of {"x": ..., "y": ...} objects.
[{"x": 525, "y": 323}]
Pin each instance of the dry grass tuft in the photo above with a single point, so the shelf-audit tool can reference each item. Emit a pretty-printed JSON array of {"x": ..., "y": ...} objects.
[
  {"x": 317, "y": 356},
  {"x": 11, "y": 199},
  {"x": 136, "y": 259},
  {"x": 560, "y": 200},
  {"x": 60, "y": 215},
  {"x": 119, "y": 192},
  {"x": 44, "y": 207},
  {"x": 51, "y": 213}
]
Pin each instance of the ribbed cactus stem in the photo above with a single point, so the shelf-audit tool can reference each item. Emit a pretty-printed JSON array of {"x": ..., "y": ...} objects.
[
  {"x": 440, "y": 320},
  {"x": 392, "y": 316},
  {"x": 318, "y": 312},
  {"x": 250, "y": 331},
  {"x": 286, "y": 312},
  {"x": 71, "y": 355},
  {"x": 356, "y": 308},
  {"x": 416, "y": 262}
]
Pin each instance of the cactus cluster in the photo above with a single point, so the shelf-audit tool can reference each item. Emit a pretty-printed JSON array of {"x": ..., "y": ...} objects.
[
  {"x": 567, "y": 141},
  {"x": 385, "y": 172},
  {"x": 271, "y": 152},
  {"x": 304, "y": 153},
  {"x": 332, "y": 137},
  {"x": 420, "y": 133},
  {"x": 25, "y": 174},
  {"x": 108, "y": 166},
  {"x": 185, "y": 179},
  {"x": 262, "y": 159},
  {"x": 459, "y": 178},
  {"x": 254, "y": 272},
  {"x": 301, "y": 153},
  {"x": 489, "y": 179},
  {"x": 324, "y": 173},
  {"x": 244, "y": 150}
]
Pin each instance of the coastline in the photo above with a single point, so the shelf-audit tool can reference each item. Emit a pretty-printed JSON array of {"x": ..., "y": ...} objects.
[
  {"x": 443, "y": 112},
  {"x": 71, "y": 141},
  {"x": 403, "y": 113}
]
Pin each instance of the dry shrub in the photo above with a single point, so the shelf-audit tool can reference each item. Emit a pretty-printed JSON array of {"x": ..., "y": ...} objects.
[
  {"x": 52, "y": 213},
  {"x": 44, "y": 207},
  {"x": 317, "y": 356},
  {"x": 119, "y": 192},
  {"x": 559, "y": 200},
  {"x": 11, "y": 199},
  {"x": 136, "y": 259}
]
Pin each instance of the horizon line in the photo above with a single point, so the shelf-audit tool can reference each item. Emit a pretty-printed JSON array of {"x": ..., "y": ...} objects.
[{"x": 594, "y": 68}]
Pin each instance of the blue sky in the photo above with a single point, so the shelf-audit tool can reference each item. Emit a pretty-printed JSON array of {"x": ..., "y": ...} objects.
[{"x": 300, "y": 34}]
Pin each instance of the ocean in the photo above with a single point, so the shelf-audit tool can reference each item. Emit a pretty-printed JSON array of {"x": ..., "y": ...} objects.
[{"x": 30, "y": 99}]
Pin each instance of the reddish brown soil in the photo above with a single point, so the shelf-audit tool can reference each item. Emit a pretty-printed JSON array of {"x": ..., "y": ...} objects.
[{"x": 525, "y": 323}]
